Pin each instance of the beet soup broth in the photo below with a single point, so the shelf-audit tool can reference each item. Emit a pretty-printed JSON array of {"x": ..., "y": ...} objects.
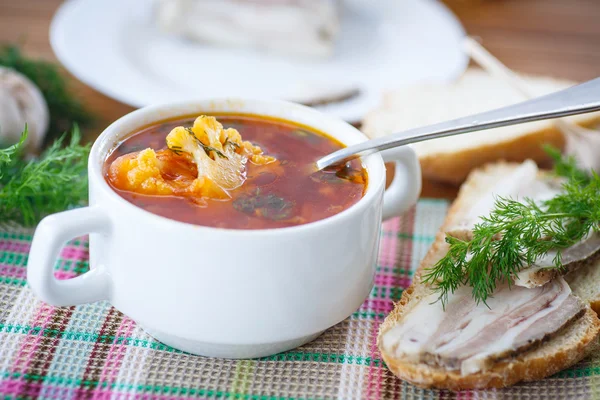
[{"x": 279, "y": 194}]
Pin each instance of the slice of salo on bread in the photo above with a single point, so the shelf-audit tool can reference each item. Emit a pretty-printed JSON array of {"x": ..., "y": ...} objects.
[{"x": 430, "y": 356}]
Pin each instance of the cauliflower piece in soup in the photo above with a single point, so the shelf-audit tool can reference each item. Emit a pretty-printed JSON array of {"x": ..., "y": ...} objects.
[
  {"x": 205, "y": 161},
  {"x": 160, "y": 173},
  {"x": 140, "y": 172}
]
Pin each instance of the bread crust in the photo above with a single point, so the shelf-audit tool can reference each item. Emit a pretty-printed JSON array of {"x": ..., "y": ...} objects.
[
  {"x": 455, "y": 167},
  {"x": 531, "y": 365},
  {"x": 595, "y": 305}
]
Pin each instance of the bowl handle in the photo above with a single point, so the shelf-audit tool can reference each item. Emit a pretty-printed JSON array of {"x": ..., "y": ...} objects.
[
  {"x": 405, "y": 188},
  {"x": 49, "y": 237}
]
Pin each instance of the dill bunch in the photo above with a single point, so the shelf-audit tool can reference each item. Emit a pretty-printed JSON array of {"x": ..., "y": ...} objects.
[
  {"x": 566, "y": 166},
  {"x": 516, "y": 234},
  {"x": 65, "y": 109},
  {"x": 53, "y": 182}
]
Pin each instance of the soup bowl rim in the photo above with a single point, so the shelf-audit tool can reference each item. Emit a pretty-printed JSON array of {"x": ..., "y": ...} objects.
[{"x": 110, "y": 138}]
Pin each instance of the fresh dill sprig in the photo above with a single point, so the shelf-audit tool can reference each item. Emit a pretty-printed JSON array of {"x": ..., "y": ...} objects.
[
  {"x": 207, "y": 149},
  {"x": 65, "y": 109},
  {"x": 178, "y": 150},
  {"x": 10, "y": 154},
  {"x": 566, "y": 166},
  {"x": 232, "y": 144},
  {"x": 53, "y": 182},
  {"x": 516, "y": 234}
]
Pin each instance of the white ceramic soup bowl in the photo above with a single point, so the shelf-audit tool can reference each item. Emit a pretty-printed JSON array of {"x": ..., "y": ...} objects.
[{"x": 223, "y": 292}]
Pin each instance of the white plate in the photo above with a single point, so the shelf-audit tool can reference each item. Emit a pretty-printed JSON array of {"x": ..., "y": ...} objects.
[{"x": 114, "y": 47}]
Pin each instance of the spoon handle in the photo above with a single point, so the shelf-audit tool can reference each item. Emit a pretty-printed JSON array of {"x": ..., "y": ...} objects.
[{"x": 579, "y": 99}]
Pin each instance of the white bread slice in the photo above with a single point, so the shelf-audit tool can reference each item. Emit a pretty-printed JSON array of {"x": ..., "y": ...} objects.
[
  {"x": 564, "y": 349},
  {"x": 451, "y": 159}
]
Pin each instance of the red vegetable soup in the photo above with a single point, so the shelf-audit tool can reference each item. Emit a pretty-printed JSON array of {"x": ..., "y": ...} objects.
[{"x": 272, "y": 187}]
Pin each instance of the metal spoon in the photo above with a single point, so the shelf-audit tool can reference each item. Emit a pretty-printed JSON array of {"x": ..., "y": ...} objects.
[
  {"x": 581, "y": 143},
  {"x": 579, "y": 99}
]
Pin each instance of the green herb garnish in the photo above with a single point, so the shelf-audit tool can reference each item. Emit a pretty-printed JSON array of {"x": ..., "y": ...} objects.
[
  {"x": 566, "y": 166},
  {"x": 516, "y": 234},
  {"x": 65, "y": 109},
  {"x": 53, "y": 182},
  {"x": 9, "y": 154},
  {"x": 232, "y": 144},
  {"x": 265, "y": 205},
  {"x": 207, "y": 149},
  {"x": 176, "y": 149}
]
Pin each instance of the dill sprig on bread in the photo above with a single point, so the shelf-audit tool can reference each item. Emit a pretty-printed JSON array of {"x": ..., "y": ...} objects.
[{"x": 517, "y": 233}]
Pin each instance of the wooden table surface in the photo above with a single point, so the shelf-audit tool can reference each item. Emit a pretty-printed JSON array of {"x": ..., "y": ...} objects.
[{"x": 551, "y": 37}]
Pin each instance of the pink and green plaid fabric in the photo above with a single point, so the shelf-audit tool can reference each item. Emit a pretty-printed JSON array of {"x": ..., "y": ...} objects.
[{"x": 95, "y": 352}]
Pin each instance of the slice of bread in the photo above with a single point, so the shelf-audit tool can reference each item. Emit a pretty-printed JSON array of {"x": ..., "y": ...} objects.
[
  {"x": 451, "y": 159},
  {"x": 562, "y": 350},
  {"x": 585, "y": 284}
]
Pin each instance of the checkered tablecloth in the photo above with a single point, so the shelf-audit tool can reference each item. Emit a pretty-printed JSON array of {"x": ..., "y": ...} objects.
[{"x": 93, "y": 351}]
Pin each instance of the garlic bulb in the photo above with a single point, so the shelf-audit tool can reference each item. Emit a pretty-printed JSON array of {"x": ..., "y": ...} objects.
[{"x": 21, "y": 103}]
